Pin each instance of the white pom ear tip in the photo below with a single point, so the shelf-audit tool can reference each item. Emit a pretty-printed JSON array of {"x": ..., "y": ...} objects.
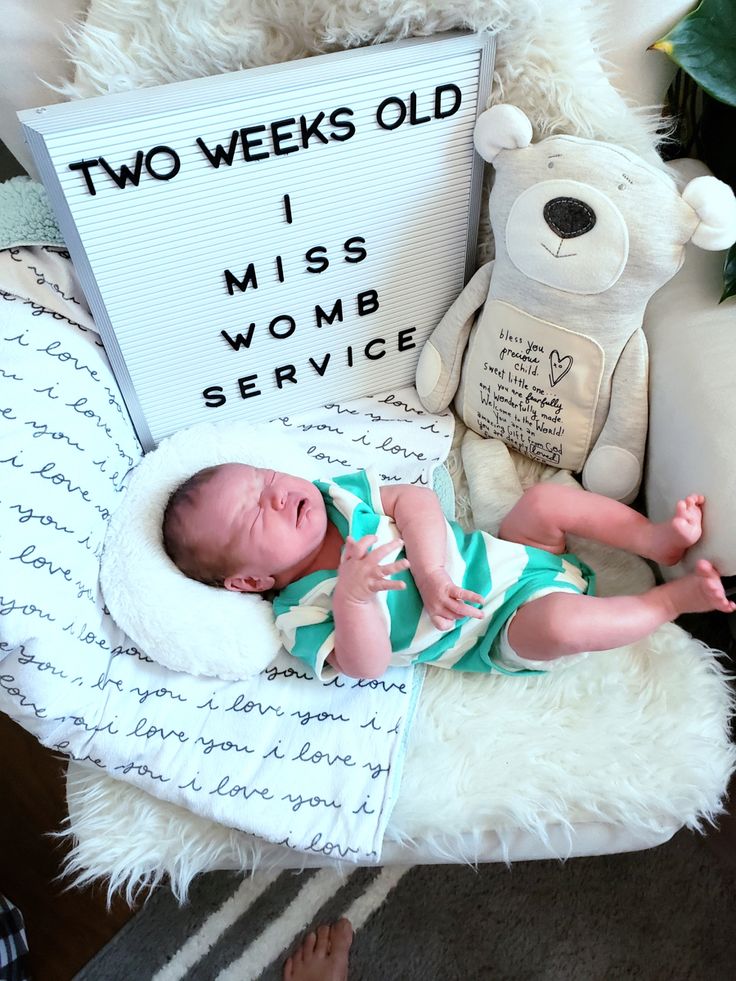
[
  {"x": 501, "y": 127},
  {"x": 715, "y": 205}
]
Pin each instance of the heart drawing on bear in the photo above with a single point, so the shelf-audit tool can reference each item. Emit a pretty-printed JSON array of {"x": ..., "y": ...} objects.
[{"x": 558, "y": 367}]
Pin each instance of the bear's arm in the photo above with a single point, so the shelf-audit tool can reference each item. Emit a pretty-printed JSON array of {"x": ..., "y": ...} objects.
[
  {"x": 438, "y": 369},
  {"x": 614, "y": 466}
]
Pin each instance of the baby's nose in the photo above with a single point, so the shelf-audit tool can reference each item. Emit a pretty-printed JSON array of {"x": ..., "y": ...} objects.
[{"x": 277, "y": 498}]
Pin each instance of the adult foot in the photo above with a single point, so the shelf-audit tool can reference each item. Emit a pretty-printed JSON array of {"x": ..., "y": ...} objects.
[
  {"x": 674, "y": 537},
  {"x": 322, "y": 956},
  {"x": 701, "y": 591}
]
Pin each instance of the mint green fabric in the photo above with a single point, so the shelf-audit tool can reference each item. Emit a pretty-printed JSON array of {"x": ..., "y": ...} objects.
[
  {"x": 26, "y": 217},
  {"x": 506, "y": 574},
  {"x": 444, "y": 489}
]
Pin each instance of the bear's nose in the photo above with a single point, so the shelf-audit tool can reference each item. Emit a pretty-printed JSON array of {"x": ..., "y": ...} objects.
[{"x": 569, "y": 217}]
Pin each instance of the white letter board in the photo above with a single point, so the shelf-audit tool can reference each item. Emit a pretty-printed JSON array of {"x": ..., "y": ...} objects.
[{"x": 262, "y": 242}]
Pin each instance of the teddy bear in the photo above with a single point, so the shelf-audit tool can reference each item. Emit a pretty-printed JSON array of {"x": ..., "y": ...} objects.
[{"x": 544, "y": 349}]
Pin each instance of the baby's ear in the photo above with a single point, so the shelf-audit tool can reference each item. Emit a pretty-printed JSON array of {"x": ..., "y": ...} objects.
[{"x": 249, "y": 584}]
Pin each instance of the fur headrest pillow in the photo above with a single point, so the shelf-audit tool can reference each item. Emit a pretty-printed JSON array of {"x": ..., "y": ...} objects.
[{"x": 176, "y": 621}]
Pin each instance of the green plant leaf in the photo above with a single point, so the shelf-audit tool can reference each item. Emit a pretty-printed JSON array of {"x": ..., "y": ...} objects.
[
  {"x": 729, "y": 275},
  {"x": 704, "y": 44}
]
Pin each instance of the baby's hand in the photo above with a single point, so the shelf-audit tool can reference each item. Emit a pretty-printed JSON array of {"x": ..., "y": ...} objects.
[
  {"x": 361, "y": 575},
  {"x": 445, "y": 602}
]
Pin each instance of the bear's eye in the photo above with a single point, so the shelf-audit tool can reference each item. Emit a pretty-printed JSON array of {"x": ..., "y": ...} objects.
[
  {"x": 551, "y": 164},
  {"x": 622, "y": 187}
]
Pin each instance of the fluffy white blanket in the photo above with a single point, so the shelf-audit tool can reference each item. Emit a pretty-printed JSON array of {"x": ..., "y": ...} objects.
[
  {"x": 549, "y": 58},
  {"x": 633, "y": 739}
]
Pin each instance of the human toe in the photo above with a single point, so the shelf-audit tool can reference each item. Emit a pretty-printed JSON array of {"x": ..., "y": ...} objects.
[
  {"x": 322, "y": 946},
  {"x": 341, "y": 935}
]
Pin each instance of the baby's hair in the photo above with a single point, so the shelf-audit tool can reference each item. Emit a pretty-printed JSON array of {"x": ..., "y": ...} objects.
[{"x": 183, "y": 552}]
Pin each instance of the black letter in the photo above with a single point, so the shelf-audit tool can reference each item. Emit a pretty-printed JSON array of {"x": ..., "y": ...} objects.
[
  {"x": 239, "y": 341},
  {"x": 279, "y": 138},
  {"x": 320, "y": 315},
  {"x": 369, "y": 345},
  {"x": 287, "y": 209},
  {"x": 214, "y": 392},
  {"x": 289, "y": 330},
  {"x": 413, "y": 118},
  {"x": 322, "y": 260},
  {"x": 312, "y": 129},
  {"x": 352, "y": 250},
  {"x": 392, "y": 100},
  {"x": 245, "y": 384},
  {"x": 320, "y": 368},
  {"x": 438, "y": 93},
  {"x": 220, "y": 153},
  {"x": 176, "y": 163},
  {"x": 85, "y": 165},
  {"x": 248, "y": 143},
  {"x": 126, "y": 174},
  {"x": 248, "y": 280},
  {"x": 350, "y": 127},
  {"x": 285, "y": 373},
  {"x": 367, "y": 302},
  {"x": 405, "y": 342}
]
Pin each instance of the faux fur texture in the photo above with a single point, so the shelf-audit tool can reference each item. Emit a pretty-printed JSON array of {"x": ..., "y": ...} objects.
[
  {"x": 633, "y": 738},
  {"x": 168, "y": 615},
  {"x": 549, "y": 59}
]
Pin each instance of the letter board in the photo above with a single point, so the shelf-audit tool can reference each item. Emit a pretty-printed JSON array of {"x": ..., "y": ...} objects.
[{"x": 263, "y": 241}]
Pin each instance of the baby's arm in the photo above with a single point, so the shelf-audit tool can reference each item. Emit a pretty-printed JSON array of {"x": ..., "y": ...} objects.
[
  {"x": 362, "y": 643},
  {"x": 421, "y": 523}
]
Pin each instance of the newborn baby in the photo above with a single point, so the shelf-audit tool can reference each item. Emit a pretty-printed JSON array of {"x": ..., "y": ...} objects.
[{"x": 364, "y": 576}]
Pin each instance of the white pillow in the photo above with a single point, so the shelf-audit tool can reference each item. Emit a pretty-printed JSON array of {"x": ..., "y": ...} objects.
[{"x": 184, "y": 624}]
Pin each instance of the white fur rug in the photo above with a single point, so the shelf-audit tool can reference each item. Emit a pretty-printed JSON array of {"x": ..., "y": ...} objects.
[
  {"x": 636, "y": 738},
  {"x": 550, "y": 55}
]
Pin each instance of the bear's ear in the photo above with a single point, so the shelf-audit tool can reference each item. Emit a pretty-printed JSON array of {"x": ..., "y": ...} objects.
[
  {"x": 499, "y": 128},
  {"x": 715, "y": 205}
]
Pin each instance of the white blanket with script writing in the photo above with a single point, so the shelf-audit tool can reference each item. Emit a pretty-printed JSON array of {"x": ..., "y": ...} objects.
[{"x": 312, "y": 765}]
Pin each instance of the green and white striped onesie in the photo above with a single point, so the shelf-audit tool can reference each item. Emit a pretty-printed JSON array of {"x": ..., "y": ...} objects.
[{"x": 505, "y": 573}]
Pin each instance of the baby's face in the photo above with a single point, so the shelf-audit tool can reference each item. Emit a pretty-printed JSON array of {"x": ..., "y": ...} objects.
[{"x": 270, "y": 525}]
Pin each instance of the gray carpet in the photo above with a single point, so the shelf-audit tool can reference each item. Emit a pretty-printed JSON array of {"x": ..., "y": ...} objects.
[{"x": 663, "y": 915}]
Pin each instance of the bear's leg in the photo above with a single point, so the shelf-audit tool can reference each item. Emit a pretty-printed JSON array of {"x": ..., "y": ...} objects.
[{"x": 493, "y": 485}]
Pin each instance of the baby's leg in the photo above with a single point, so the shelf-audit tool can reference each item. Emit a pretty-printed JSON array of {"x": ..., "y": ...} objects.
[
  {"x": 570, "y": 623},
  {"x": 549, "y": 511}
]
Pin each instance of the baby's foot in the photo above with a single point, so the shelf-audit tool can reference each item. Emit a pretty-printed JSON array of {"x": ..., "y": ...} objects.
[
  {"x": 674, "y": 537},
  {"x": 322, "y": 956},
  {"x": 702, "y": 590}
]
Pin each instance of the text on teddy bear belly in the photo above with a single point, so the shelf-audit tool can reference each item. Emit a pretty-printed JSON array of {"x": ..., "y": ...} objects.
[{"x": 532, "y": 384}]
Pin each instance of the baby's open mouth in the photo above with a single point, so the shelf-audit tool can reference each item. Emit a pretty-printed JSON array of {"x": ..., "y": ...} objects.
[{"x": 300, "y": 510}]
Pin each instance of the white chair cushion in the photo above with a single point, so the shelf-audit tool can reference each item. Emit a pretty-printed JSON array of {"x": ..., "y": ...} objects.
[{"x": 692, "y": 410}]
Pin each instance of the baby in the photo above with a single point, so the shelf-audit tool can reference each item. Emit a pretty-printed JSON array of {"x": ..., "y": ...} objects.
[{"x": 336, "y": 556}]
